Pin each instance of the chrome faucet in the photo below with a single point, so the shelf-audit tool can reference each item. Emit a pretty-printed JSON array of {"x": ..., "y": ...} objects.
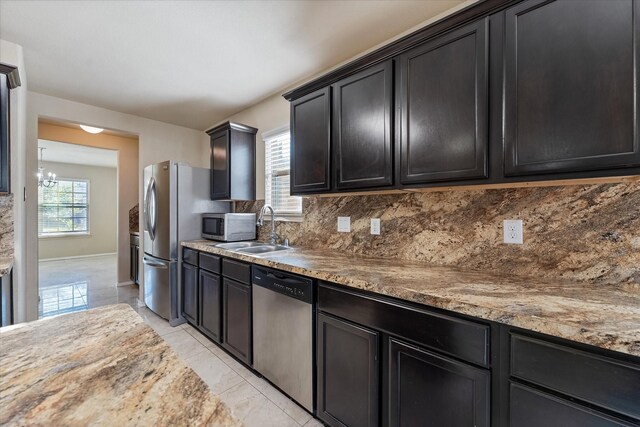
[{"x": 273, "y": 237}]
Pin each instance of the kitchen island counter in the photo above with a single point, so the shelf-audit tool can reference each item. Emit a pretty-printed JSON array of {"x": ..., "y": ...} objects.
[
  {"x": 606, "y": 316},
  {"x": 103, "y": 366}
]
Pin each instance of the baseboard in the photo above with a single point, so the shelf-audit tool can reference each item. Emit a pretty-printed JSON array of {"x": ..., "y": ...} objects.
[
  {"x": 77, "y": 257},
  {"x": 127, "y": 283}
]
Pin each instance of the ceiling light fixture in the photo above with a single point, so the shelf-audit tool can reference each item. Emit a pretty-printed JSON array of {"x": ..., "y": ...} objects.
[
  {"x": 91, "y": 129},
  {"x": 51, "y": 177}
]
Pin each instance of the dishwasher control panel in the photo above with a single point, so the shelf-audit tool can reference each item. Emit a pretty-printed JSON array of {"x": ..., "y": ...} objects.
[{"x": 298, "y": 287}]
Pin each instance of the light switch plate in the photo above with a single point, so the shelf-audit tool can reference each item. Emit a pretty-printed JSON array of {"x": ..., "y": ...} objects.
[
  {"x": 375, "y": 226},
  {"x": 513, "y": 231},
  {"x": 344, "y": 224}
]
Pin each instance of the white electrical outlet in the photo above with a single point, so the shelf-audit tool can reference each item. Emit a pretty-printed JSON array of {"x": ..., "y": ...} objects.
[
  {"x": 375, "y": 226},
  {"x": 344, "y": 224},
  {"x": 513, "y": 231}
]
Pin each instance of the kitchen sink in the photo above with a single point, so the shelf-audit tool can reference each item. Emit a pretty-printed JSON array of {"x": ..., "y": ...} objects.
[
  {"x": 262, "y": 249},
  {"x": 238, "y": 245},
  {"x": 252, "y": 248}
]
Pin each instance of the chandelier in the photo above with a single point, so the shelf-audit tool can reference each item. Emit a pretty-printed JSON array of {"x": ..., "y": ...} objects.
[{"x": 51, "y": 177}]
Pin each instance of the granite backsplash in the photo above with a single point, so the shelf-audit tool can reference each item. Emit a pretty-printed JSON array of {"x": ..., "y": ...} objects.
[
  {"x": 134, "y": 215},
  {"x": 6, "y": 226},
  {"x": 582, "y": 232}
]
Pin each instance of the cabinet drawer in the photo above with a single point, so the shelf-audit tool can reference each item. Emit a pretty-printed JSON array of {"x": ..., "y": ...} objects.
[
  {"x": 596, "y": 379},
  {"x": 190, "y": 256},
  {"x": 532, "y": 408},
  {"x": 236, "y": 270},
  {"x": 209, "y": 262},
  {"x": 460, "y": 338}
]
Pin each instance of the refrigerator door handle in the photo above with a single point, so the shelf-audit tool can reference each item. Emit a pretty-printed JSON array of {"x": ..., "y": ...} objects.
[
  {"x": 154, "y": 264},
  {"x": 152, "y": 211},
  {"x": 147, "y": 195}
]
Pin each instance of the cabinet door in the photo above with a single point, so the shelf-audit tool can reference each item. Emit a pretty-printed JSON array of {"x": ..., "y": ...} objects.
[
  {"x": 347, "y": 373},
  {"x": 310, "y": 142},
  {"x": 426, "y": 389},
  {"x": 571, "y": 86},
  {"x": 190, "y": 293},
  {"x": 361, "y": 122},
  {"x": 210, "y": 312},
  {"x": 532, "y": 408},
  {"x": 132, "y": 263},
  {"x": 220, "y": 170},
  {"x": 444, "y": 107},
  {"x": 136, "y": 264},
  {"x": 237, "y": 320}
]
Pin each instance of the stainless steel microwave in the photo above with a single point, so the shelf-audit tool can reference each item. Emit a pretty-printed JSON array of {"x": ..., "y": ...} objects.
[{"x": 229, "y": 227}]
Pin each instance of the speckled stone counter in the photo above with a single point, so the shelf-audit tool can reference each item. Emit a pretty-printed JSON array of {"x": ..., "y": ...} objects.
[
  {"x": 6, "y": 264},
  {"x": 99, "y": 367},
  {"x": 606, "y": 316}
]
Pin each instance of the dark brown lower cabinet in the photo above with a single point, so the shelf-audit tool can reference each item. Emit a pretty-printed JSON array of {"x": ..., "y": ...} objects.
[
  {"x": 237, "y": 319},
  {"x": 348, "y": 366},
  {"x": 426, "y": 389},
  {"x": 134, "y": 265},
  {"x": 210, "y": 305},
  {"x": 190, "y": 293},
  {"x": 532, "y": 408}
]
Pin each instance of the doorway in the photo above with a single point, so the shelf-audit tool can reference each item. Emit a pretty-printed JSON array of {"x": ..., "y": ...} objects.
[{"x": 83, "y": 218}]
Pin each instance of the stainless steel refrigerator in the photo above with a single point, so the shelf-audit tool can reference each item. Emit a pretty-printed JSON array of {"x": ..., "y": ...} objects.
[{"x": 175, "y": 195}]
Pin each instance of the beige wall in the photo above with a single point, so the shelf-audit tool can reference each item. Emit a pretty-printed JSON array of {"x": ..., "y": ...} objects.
[
  {"x": 128, "y": 173},
  {"x": 103, "y": 218}
]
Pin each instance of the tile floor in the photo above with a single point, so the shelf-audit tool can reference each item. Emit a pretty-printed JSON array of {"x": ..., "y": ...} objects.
[
  {"x": 74, "y": 285},
  {"x": 78, "y": 284}
]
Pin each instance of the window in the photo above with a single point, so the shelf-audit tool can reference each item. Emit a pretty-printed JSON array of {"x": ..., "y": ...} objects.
[
  {"x": 277, "y": 174},
  {"x": 64, "y": 208}
]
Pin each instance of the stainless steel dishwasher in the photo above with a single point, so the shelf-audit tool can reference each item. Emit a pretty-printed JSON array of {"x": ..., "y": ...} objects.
[{"x": 283, "y": 332}]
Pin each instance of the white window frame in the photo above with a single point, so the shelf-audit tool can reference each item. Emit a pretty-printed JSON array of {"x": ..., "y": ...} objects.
[
  {"x": 42, "y": 235},
  {"x": 268, "y": 137}
]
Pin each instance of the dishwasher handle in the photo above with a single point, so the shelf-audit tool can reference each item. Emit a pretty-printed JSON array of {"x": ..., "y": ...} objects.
[{"x": 297, "y": 287}]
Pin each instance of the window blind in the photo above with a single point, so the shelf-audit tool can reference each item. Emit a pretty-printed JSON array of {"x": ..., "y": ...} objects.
[
  {"x": 277, "y": 174},
  {"x": 64, "y": 208}
]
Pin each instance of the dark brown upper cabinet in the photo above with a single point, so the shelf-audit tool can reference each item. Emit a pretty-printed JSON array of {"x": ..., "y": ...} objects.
[
  {"x": 571, "y": 86},
  {"x": 233, "y": 162},
  {"x": 502, "y": 91},
  {"x": 5, "y": 161},
  {"x": 362, "y": 133},
  {"x": 443, "y": 114},
  {"x": 311, "y": 143}
]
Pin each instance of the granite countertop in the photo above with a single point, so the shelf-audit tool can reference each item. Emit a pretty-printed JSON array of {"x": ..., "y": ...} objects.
[
  {"x": 134, "y": 232},
  {"x": 99, "y": 367},
  {"x": 606, "y": 316},
  {"x": 6, "y": 264}
]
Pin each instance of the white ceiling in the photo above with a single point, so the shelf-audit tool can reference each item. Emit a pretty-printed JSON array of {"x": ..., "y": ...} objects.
[
  {"x": 77, "y": 154},
  {"x": 194, "y": 63}
]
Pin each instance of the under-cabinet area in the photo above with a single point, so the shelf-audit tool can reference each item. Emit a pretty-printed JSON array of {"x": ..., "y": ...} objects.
[{"x": 384, "y": 360}]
